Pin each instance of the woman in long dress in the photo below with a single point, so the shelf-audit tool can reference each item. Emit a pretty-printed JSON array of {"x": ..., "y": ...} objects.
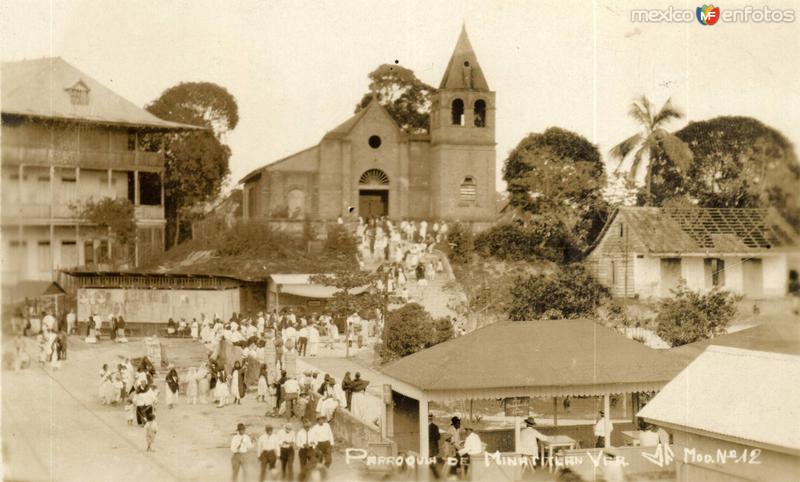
[
  {"x": 221, "y": 388},
  {"x": 202, "y": 383},
  {"x": 92, "y": 328},
  {"x": 191, "y": 386},
  {"x": 173, "y": 385},
  {"x": 105, "y": 381},
  {"x": 237, "y": 383},
  {"x": 263, "y": 386},
  {"x": 313, "y": 340}
]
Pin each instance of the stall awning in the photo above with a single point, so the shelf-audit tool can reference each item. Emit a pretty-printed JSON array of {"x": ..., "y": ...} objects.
[
  {"x": 535, "y": 358},
  {"x": 301, "y": 285}
]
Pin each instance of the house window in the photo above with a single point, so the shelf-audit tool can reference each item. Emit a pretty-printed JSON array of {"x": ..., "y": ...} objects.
[
  {"x": 714, "y": 272},
  {"x": 457, "y": 112},
  {"x": 78, "y": 93},
  {"x": 480, "y": 113},
  {"x": 613, "y": 273},
  {"x": 43, "y": 256},
  {"x": 469, "y": 189},
  {"x": 88, "y": 252},
  {"x": 621, "y": 230},
  {"x": 131, "y": 141},
  {"x": 374, "y": 142}
]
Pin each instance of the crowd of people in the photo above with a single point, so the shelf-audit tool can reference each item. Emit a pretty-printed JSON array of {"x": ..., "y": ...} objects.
[{"x": 403, "y": 251}]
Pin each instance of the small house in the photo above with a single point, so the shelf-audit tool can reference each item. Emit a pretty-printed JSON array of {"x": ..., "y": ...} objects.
[
  {"x": 733, "y": 415},
  {"x": 648, "y": 252}
]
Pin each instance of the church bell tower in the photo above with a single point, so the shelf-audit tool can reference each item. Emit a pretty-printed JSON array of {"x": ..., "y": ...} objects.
[{"x": 463, "y": 159}]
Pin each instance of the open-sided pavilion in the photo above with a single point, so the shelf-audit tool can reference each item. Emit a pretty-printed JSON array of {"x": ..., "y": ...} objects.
[{"x": 544, "y": 359}]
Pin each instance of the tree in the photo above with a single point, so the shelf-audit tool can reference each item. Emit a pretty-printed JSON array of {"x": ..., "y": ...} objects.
[
  {"x": 689, "y": 316},
  {"x": 410, "y": 329},
  {"x": 570, "y": 292},
  {"x": 355, "y": 292},
  {"x": 113, "y": 217},
  {"x": 740, "y": 162},
  {"x": 653, "y": 146},
  {"x": 405, "y": 97},
  {"x": 556, "y": 180},
  {"x": 196, "y": 161}
]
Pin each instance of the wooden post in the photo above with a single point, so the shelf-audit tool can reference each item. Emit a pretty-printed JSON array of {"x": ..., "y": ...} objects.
[
  {"x": 555, "y": 411},
  {"x": 424, "y": 449},
  {"x": 607, "y": 418},
  {"x": 517, "y": 438},
  {"x": 625, "y": 404}
]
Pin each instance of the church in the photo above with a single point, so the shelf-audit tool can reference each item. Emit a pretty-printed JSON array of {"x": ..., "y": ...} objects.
[{"x": 369, "y": 167}]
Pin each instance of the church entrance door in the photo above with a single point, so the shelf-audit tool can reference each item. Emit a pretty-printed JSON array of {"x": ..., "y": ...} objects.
[{"x": 373, "y": 203}]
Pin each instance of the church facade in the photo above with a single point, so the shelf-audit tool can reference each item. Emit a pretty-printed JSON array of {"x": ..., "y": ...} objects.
[{"x": 369, "y": 167}]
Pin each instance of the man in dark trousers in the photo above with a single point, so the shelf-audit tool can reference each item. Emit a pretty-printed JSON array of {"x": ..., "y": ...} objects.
[{"x": 433, "y": 437}]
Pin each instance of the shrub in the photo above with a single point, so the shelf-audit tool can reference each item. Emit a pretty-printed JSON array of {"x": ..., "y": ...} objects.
[
  {"x": 410, "y": 329},
  {"x": 461, "y": 243},
  {"x": 537, "y": 238},
  {"x": 570, "y": 292},
  {"x": 690, "y": 316}
]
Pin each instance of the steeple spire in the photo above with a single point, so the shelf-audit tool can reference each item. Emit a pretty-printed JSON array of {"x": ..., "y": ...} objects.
[{"x": 463, "y": 70}]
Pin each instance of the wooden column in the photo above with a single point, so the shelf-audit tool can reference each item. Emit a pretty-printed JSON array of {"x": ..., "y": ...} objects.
[
  {"x": 607, "y": 418},
  {"x": 555, "y": 411},
  {"x": 136, "y": 194},
  {"x": 424, "y": 449},
  {"x": 52, "y": 192},
  {"x": 517, "y": 429}
]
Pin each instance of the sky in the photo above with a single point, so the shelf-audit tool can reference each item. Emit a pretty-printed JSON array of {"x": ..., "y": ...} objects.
[{"x": 297, "y": 68}]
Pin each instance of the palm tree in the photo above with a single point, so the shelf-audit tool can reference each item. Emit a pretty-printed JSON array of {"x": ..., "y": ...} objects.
[{"x": 652, "y": 141}]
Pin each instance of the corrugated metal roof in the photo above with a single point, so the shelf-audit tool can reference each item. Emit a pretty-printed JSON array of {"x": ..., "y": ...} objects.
[
  {"x": 40, "y": 88},
  {"x": 707, "y": 230},
  {"x": 557, "y": 353},
  {"x": 744, "y": 394}
]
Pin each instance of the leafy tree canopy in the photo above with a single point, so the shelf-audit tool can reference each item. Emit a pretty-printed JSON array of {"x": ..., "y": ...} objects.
[
  {"x": 689, "y": 316},
  {"x": 410, "y": 329},
  {"x": 740, "y": 162},
  {"x": 570, "y": 292},
  {"x": 405, "y": 97},
  {"x": 196, "y": 161},
  {"x": 114, "y": 214},
  {"x": 557, "y": 177}
]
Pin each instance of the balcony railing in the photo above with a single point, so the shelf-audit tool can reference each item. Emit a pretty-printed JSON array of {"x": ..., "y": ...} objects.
[
  {"x": 39, "y": 212},
  {"x": 44, "y": 156},
  {"x": 149, "y": 212}
]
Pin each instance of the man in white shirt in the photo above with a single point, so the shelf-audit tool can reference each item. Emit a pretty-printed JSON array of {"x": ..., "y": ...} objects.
[
  {"x": 49, "y": 321},
  {"x": 599, "y": 430},
  {"x": 240, "y": 444},
  {"x": 321, "y": 436},
  {"x": 291, "y": 390},
  {"x": 529, "y": 441},
  {"x": 286, "y": 439},
  {"x": 302, "y": 441},
  {"x": 472, "y": 446},
  {"x": 71, "y": 318},
  {"x": 267, "y": 451}
]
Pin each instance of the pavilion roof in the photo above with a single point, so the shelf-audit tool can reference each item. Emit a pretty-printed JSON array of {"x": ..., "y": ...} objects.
[{"x": 535, "y": 358}]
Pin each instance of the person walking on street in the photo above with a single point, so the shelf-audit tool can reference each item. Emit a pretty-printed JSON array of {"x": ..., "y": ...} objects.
[
  {"x": 304, "y": 450},
  {"x": 321, "y": 436},
  {"x": 286, "y": 442},
  {"x": 267, "y": 452},
  {"x": 240, "y": 445}
]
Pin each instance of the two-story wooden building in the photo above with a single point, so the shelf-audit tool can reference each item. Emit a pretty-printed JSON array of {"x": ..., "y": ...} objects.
[{"x": 67, "y": 138}]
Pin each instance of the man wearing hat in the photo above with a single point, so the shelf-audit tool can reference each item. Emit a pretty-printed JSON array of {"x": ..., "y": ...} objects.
[
  {"x": 455, "y": 431},
  {"x": 267, "y": 451},
  {"x": 321, "y": 437},
  {"x": 240, "y": 444},
  {"x": 600, "y": 429},
  {"x": 529, "y": 441},
  {"x": 433, "y": 437},
  {"x": 286, "y": 440}
]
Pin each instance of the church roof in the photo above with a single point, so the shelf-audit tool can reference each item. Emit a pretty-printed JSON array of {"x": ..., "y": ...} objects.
[
  {"x": 463, "y": 56},
  {"x": 343, "y": 129},
  {"x": 44, "y": 88}
]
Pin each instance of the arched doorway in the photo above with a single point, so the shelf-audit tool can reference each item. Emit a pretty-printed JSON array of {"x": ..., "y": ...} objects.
[{"x": 373, "y": 194}]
